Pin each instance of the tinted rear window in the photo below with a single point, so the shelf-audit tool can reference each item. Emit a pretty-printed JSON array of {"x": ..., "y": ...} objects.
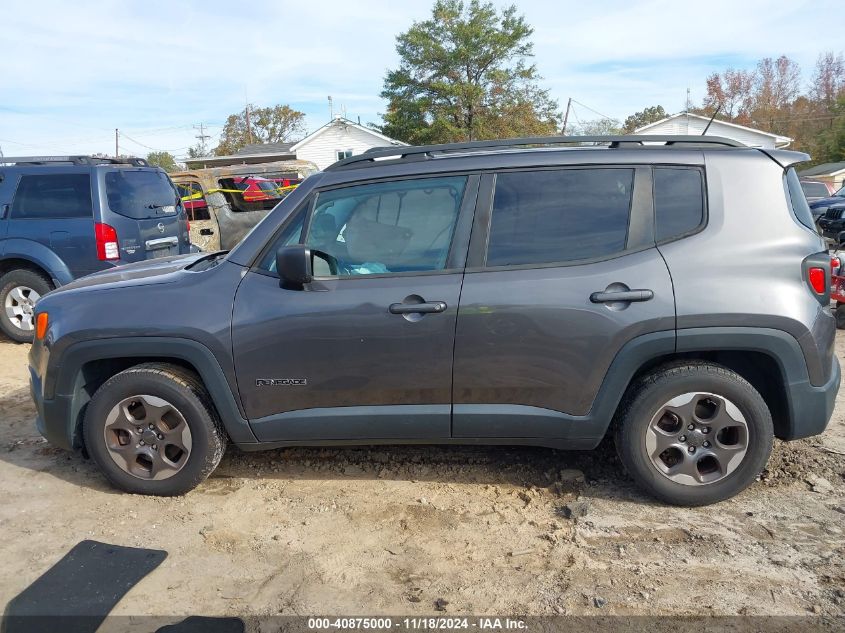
[
  {"x": 140, "y": 194},
  {"x": 559, "y": 215},
  {"x": 678, "y": 202},
  {"x": 798, "y": 200},
  {"x": 53, "y": 196}
]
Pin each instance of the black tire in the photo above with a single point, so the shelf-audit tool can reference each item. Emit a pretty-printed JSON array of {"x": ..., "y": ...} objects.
[
  {"x": 185, "y": 392},
  {"x": 15, "y": 279},
  {"x": 840, "y": 316},
  {"x": 649, "y": 394}
]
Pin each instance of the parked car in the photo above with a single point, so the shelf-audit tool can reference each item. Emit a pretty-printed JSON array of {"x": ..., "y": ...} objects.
[
  {"x": 832, "y": 223},
  {"x": 258, "y": 189},
  {"x": 819, "y": 207},
  {"x": 64, "y": 217},
  {"x": 816, "y": 189},
  {"x": 226, "y": 202},
  {"x": 499, "y": 292}
]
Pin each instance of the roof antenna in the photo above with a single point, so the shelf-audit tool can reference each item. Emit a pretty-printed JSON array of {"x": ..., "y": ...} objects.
[{"x": 719, "y": 107}]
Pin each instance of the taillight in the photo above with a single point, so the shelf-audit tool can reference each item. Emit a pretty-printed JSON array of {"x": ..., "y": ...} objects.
[
  {"x": 106, "y": 238},
  {"x": 816, "y": 277},
  {"x": 835, "y": 265}
]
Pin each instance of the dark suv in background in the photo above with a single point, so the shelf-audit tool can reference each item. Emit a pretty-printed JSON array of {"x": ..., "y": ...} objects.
[
  {"x": 63, "y": 217},
  {"x": 496, "y": 292}
]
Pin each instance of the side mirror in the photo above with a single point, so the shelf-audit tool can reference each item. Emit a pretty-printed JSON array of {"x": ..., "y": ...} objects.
[{"x": 293, "y": 263}]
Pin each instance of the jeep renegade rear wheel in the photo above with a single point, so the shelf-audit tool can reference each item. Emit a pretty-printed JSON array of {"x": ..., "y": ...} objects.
[
  {"x": 153, "y": 430},
  {"x": 694, "y": 433}
]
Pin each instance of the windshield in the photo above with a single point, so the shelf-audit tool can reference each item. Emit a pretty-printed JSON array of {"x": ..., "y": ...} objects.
[
  {"x": 814, "y": 189},
  {"x": 140, "y": 194}
]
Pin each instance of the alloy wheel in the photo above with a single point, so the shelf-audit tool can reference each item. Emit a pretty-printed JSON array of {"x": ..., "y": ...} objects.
[
  {"x": 697, "y": 438},
  {"x": 20, "y": 307},
  {"x": 146, "y": 436}
]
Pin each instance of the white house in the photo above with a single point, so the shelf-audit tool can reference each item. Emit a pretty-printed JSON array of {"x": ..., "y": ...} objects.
[
  {"x": 694, "y": 124},
  {"x": 832, "y": 173},
  {"x": 337, "y": 139}
]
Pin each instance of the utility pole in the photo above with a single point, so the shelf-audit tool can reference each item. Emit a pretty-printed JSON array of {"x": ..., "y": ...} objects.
[
  {"x": 202, "y": 136},
  {"x": 331, "y": 109},
  {"x": 566, "y": 117},
  {"x": 116, "y": 149},
  {"x": 248, "y": 126}
]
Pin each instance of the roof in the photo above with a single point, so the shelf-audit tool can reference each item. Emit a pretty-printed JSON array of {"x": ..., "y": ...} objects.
[
  {"x": 346, "y": 122},
  {"x": 827, "y": 169},
  {"x": 265, "y": 148},
  {"x": 778, "y": 138}
]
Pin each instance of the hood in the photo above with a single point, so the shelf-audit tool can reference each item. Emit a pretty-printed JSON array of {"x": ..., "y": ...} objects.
[
  {"x": 827, "y": 202},
  {"x": 152, "y": 271}
]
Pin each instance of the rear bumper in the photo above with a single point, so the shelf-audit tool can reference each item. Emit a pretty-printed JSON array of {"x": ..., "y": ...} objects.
[{"x": 810, "y": 407}]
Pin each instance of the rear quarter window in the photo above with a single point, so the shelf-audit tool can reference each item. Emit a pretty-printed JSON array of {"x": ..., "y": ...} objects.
[
  {"x": 678, "y": 202},
  {"x": 797, "y": 199}
]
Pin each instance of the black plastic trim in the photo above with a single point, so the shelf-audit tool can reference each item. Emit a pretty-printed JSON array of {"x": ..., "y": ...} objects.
[{"x": 70, "y": 400}]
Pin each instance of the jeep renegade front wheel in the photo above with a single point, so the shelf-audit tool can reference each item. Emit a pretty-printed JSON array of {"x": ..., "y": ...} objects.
[
  {"x": 153, "y": 430},
  {"x": 693, "y": 433}
]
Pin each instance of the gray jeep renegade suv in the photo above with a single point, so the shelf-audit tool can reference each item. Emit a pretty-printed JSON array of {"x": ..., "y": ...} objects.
[{"x": 543, "y": 291}]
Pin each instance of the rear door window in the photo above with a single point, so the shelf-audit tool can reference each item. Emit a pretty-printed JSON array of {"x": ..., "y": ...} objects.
[
  {"x": 678, "y": 202},
  {"x": 193, "y": 201},
  {"x": 563, "y": 215},
  {"x": 140, "y": 194},
  {"x": 45, "y": 196}
]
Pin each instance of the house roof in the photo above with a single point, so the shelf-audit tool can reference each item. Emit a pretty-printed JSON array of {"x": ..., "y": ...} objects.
[
  {"x": 778, "y": 138},
  {"x": 826, "y": 169},
  {"x": 265, "y": 148},
  {"x": 338, "y": 120}
]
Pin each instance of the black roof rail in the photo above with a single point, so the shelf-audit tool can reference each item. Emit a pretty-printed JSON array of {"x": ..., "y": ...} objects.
[
  {"x": 77, "y": 159},
  {"x": 423, "y": 152}
]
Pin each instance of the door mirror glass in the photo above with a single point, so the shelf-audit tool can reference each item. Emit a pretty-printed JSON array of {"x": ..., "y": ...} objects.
[{"x": 293, "y": 263}]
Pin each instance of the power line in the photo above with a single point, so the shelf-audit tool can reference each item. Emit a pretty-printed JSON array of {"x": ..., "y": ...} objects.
[{"x": 604, "y": 116}]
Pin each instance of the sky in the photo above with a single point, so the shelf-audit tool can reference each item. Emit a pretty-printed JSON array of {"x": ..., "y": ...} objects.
[{"x": 72, "y": 72}]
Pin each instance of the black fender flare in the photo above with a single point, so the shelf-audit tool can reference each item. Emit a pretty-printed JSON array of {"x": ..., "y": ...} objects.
[{"x": 67, "y": 375}]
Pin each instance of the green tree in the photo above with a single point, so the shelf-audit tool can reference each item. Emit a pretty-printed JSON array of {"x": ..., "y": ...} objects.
[
  {"x": 598, "y": 127},
  {"x": 652, "y": 114},
  {"x": 267, "y": 125},
  {"x": 464, "y": 74},
  {"x": 197, "y": 151},
  {"x": 832, "y": 141},
  {"x": 165, "y": 160}
]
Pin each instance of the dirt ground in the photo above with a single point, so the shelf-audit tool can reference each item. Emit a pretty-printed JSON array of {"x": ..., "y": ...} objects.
[{"x": 408, "y": 530}]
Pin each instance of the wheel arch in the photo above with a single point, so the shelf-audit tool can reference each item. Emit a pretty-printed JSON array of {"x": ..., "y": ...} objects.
[
  {"x": 34, "y": 256},
  {"x": 771, "y": 360},
  {"x": 85, "y": 366}
]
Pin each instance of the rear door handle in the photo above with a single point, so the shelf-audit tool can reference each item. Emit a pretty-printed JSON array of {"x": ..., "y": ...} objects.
[
  {"x": 418, "y": 308},
  {"x": 622, "y": 295}
]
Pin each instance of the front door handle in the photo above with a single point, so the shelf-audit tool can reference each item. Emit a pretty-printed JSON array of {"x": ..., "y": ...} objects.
[
  {"x": 4, "y": 211},
  {"x": 621, "y": 295},
  {"x": 418, "y": 308}
]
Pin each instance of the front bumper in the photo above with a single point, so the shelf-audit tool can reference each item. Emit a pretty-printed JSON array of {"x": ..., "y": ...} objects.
[{"x": 810, "y": 407}]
